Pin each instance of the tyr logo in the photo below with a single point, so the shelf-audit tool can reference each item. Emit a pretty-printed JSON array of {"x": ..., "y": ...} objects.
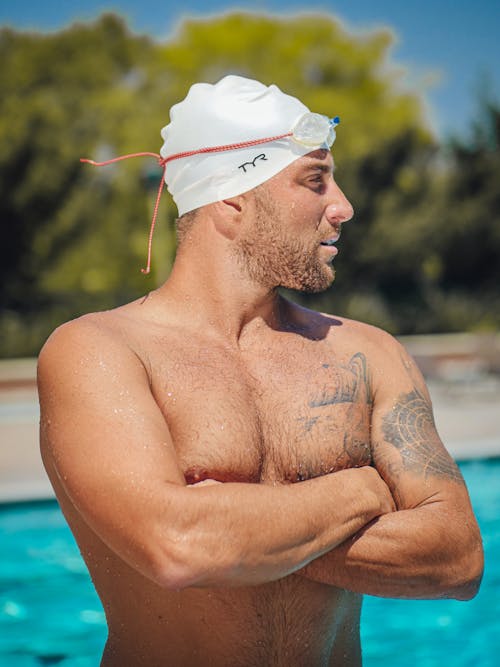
[{"x": 243, "y": 166}]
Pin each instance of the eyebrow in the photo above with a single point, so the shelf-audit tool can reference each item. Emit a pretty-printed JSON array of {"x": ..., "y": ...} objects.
[{"x": 319, "y": 166}]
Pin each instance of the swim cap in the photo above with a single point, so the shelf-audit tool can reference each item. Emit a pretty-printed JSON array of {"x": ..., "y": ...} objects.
[{"x": 234, "y": 110}]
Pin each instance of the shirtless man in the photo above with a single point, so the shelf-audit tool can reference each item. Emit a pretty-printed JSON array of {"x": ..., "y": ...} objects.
[{"x": 238, "y": 470}]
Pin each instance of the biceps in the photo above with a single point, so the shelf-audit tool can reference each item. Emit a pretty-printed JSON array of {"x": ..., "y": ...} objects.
[
  {"x": 111, "y": 473},
  {"x": 407, "y": 450},
  {"x": 115, "y": 471},
  {"x": 110, "y": 449}
]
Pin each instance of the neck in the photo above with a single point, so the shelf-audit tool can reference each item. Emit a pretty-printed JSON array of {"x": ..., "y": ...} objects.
[{"x": 212, "y": 291}]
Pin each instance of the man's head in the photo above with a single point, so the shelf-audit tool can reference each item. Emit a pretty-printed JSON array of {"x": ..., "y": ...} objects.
[{"x": 275, "y": 187}]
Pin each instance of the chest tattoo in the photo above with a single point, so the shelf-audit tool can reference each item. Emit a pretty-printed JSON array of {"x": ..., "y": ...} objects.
[
  {"x": 350, "y": 385},
  {"x": 337, "y": 420}
]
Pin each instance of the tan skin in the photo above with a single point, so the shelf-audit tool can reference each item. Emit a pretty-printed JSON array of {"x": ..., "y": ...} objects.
[{"x": 238, "y": 470}]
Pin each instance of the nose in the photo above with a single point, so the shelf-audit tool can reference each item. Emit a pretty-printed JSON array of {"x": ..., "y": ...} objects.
[{"x": 339, "y": 208}]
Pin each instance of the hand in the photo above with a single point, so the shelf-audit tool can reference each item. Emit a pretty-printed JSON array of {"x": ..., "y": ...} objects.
[{"x": 374, "y": 482}]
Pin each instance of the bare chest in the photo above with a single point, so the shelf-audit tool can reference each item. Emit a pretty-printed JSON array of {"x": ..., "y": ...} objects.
[{"x": 279, "y": 417}]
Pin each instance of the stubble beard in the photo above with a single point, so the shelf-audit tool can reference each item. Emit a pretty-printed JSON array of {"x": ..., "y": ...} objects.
[{"x": 272, "y": 258}]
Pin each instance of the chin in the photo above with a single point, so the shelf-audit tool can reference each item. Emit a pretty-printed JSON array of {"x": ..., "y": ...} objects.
[
  {"x": 312, "y": 284},
  {"x": 315, "y": 289}
]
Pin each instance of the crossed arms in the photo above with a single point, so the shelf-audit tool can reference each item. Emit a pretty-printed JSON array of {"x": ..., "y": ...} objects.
[
  {"x": 106, "y": 446},
  {"x": 431, "y": 546}
]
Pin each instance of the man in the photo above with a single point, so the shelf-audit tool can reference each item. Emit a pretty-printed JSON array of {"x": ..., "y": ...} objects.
[{"x": 238, "y": 470}]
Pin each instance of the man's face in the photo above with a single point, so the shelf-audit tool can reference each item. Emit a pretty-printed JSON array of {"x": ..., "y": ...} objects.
[{"x": 297, "y": 216}]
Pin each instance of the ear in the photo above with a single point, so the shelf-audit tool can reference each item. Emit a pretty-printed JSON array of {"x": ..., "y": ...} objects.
[
  {"x": 234, "y": 202},
  {"x": 228, "y": 216}
]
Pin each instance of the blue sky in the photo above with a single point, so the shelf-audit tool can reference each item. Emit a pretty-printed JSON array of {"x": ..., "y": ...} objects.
[{"x": 453, "y": 43}]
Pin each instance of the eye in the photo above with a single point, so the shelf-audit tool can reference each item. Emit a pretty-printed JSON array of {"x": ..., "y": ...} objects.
[{"x": 317, "y": 183}]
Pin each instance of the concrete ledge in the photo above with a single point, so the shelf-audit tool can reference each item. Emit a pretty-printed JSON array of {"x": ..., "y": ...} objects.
[
  {"x": 455, "y": 356},
  {"x": 16, "y": 373},
  {"x": 26, "y": 490}
]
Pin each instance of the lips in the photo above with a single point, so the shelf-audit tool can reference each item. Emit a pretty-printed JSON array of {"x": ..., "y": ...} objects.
[{"x": 331, "y": 241}]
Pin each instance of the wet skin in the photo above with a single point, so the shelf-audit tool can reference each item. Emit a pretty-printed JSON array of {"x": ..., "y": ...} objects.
[
  {"x": 291, "y": 406},
  {"x": 152, "y": 396}
]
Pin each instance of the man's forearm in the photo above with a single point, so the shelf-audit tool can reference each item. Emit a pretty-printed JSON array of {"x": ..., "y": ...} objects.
[
  {"x": 240, "y": 534},
  {"x": 426, "y": 552}
]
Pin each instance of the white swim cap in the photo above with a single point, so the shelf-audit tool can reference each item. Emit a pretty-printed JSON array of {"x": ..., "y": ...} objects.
[{"x": 235, "y": 110}]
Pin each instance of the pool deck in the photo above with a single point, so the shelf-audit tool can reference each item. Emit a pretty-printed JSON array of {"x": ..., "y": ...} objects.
[{"x": 462, "y": 372}]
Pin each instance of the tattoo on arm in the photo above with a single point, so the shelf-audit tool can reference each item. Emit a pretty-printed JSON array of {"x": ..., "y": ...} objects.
[{"x": 410, "y": 427}]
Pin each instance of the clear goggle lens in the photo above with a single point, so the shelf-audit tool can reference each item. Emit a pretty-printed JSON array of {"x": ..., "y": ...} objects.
[{"x": 314, "y": 129}]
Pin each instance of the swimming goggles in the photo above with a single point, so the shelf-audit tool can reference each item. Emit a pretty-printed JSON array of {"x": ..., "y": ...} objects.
[{"x": 312, "y": 129}]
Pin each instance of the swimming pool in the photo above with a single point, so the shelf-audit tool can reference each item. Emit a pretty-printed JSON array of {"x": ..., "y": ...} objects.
[{"x": 50, "y": 614}]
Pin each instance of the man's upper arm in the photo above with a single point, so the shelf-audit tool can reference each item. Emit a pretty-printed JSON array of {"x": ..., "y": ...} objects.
[
  {"x": 104, "y": 438},
  {"x": 407, "y": 450}
]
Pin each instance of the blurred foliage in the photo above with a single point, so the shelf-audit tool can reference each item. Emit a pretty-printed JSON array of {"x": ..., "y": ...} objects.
[{"x": 422, "y": 253}]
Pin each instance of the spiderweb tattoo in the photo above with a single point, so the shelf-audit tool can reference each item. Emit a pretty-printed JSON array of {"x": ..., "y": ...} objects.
[{"x": 410, "y": 427}]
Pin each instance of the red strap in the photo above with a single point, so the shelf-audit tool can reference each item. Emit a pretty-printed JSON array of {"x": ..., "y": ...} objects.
[
  {"x": 158, "y": 196},
  {"x": 226, "y": 147}
]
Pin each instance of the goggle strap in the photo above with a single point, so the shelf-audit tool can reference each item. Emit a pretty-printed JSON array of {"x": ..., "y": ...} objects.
[
  {"x": 153, "y": 222},
  {"x": 119, "y": 158},
  {"x": 158, "y": 196},
  {"x": 226, "y": 147}
]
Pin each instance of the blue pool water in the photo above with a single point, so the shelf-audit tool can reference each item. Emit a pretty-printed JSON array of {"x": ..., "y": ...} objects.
[{"x": 50, "y": 614}]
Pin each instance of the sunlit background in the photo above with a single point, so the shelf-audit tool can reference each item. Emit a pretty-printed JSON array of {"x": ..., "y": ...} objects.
[
  {"x": 417, "y": 87},
  {"x": 415, "y": 84}
]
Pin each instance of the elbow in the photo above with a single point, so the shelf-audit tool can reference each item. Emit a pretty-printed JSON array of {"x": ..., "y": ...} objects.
[
  {"x": 464, "y": 590},
  {"x": 466, "y": 573},
  {"x": 172, "y": 568},
  {"x": 453, "y": 569},
  {"x": 184, "y": 561},
  {"x": 472, "y": 574},
  {"x": 172, "y": 577},
  {"x": 467, "y": 590}
]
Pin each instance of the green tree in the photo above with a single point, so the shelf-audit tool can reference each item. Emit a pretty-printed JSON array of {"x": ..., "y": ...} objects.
[
  {"x": 56, "y": 103},
  {"x": 466, "y": 276},
  {"x": 70, "y": 236}
]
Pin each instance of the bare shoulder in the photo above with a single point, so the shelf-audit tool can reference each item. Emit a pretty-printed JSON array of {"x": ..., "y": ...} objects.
[
  {"x": 349, "y": 337},
  {"x": 100, "y": 323},
  {"x": 80, "y": 335},
  {"x": 87, "y": 345},
  {"x": 377, "y": 345},
  {"x": 363, "y": 333},
  {"x": 391, "y": 366}
]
